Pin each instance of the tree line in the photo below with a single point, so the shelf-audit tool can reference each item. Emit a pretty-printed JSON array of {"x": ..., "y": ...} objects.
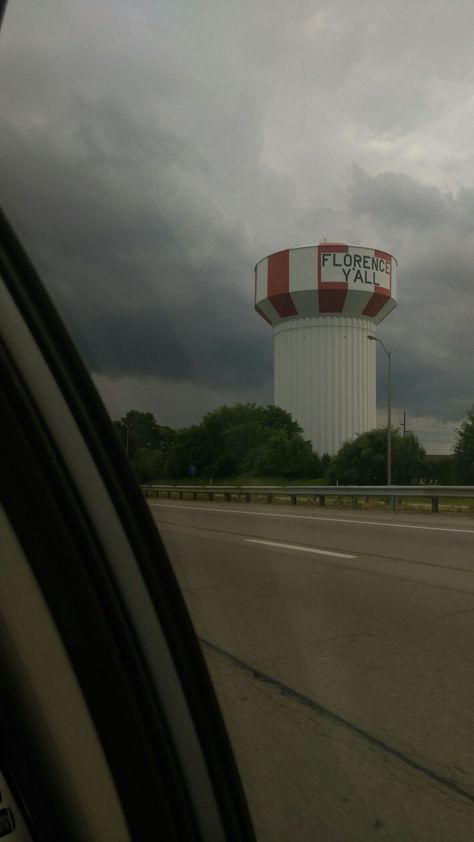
[
  {"x": 244, "y": 439},
  {"x": 252, "y": 441}
]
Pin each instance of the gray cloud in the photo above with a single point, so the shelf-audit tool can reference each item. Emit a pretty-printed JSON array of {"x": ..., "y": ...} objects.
[
  {"x": 150, "y": 281},
  {"x": 394, "y": 199},
  {"x": 431, "y": 330},
  {"x": 153, "y": 153}
]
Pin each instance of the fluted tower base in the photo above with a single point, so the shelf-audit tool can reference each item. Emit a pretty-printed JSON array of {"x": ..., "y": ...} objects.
[{"x": 325, "y": 377}]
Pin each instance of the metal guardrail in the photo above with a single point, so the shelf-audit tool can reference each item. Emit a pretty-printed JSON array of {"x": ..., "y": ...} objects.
[{"x": 392, "y": 493}]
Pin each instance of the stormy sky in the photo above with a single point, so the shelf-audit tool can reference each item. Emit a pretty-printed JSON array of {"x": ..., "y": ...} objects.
[{"x": 153, "y": 152}]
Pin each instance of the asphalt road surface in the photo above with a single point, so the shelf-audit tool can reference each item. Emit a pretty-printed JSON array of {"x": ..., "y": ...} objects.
[{"x": 341, "y": 645}]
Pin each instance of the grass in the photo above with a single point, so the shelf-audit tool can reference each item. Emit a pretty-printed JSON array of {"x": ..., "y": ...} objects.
[
  {"x": 243, "y": 479},
  {"x": 464, "y": 505}
]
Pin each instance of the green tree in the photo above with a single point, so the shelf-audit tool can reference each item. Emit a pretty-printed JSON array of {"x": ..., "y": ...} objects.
[
  {"x": 286, "y": 455},
  {"x": 242, "y": 443},
  {"x": 240, "y": 439},
  {"x": 147, "y": 464},
  {"x": 243, "y": 439},
  {"x": 363, "y": 461},
  {"x": 190, "y": 449},
  {"x": 140, "y": 430},
  {"x": 275, "y": 418},
  {"x": 228, "y": 439},
  {"x": 440, "y": 470},
  {"x": 464, "y": 451},
  {"x": 408, "y": 459},
  {"x": 325, "y": 463}
]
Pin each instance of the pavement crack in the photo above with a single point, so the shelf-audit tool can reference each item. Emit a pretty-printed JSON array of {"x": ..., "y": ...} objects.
[
  {"x": 448, "y": 782},
  {"x": 352, "y": 635},
  {"x": 450, "y": 614}
]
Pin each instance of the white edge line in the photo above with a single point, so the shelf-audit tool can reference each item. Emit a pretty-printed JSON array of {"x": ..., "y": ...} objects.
[
  {"x": 312, "y": 517},
  {"x": 297, "y": 547}
]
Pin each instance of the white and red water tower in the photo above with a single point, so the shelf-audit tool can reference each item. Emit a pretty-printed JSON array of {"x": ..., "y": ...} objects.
[{"x": 323, "y": 303}]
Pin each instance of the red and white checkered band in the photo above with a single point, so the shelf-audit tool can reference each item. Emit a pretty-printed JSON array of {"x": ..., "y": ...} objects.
[{"x": 331, "y": 279}]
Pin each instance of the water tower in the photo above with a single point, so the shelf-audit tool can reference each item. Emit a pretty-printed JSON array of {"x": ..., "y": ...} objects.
[{"x": 323, "y": 302}]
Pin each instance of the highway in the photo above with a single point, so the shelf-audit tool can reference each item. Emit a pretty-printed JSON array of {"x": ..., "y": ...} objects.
[{"x": 341, "y": 646}]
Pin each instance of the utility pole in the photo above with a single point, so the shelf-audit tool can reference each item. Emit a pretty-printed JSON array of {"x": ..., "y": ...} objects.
[{"x": 404, "y": 423}]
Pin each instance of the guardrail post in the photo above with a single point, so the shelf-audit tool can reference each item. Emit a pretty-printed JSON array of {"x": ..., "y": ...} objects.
[{"x": 392, "y": 495}]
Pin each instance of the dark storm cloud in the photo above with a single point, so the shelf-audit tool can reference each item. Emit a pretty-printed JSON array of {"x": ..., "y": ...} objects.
[
  {"x": 431, "y": 332},
  {"x": 395, "y": 199},
  {"x": 153, "y": 152},
  {"x": 150, "y": 280}
]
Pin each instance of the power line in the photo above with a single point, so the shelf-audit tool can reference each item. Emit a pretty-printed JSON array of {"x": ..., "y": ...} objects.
[{"x": 435, "y": 427}]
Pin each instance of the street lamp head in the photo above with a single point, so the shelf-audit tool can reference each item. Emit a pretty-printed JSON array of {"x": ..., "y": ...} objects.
[{"x": 376, "y": 339}]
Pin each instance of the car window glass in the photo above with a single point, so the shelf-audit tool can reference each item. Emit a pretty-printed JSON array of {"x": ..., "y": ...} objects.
[{"x": 154, "y": 154}]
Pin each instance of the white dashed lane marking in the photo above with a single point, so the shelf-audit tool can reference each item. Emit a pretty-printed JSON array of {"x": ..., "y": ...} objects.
[{"x": 297, "y": 547}]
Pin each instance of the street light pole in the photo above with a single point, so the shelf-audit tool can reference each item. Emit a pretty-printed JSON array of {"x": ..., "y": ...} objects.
[
  {"x": 389, "y": 407},
  {"x": 389, "y": 415}
]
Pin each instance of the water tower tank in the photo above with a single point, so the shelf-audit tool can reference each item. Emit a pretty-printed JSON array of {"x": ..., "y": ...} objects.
[{"x": 323, "y": 302}]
